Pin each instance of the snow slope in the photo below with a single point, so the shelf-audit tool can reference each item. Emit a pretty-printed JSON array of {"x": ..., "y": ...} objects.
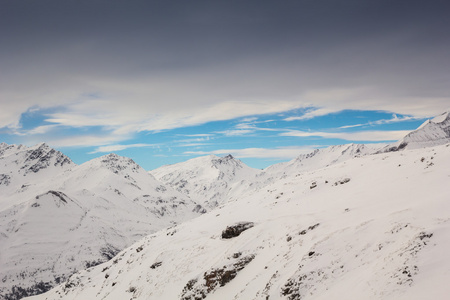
[
  {"x": 324, "y": 157},
  {"x": 213, "y": 181},
  {"x": 371, "y": 227},
  {"x": 209, "y": 180},
  {"x": 57, "y": 217}
]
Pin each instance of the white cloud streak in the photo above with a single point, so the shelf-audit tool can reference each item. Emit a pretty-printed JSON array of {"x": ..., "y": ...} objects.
[
  {"x": 246, "y": 128},
  {"x": 374, "y": 136},
  {"x": 199, "y": 135},
  {"x": 313, "y": 114},
  {"x": 116, "y": 148},
  {"x": 37, "y": 130},
  {"x": 236, "y": 132},
  {"x": 394, "y": 119}
]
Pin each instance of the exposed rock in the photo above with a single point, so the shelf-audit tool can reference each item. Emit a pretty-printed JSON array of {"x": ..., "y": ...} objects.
[
  {"x": 343, "y": 181},
  {"x": 156, "y": 265},
  {"x": 236, "y": 230},
  {"x": 213, "y": 279}
]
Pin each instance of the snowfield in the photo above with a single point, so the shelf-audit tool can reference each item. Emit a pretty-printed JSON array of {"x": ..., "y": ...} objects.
[{"x": 372, "y": 227}]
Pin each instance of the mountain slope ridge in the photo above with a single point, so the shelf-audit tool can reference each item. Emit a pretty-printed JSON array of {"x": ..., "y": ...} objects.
[{"x": 308, "y": 243}]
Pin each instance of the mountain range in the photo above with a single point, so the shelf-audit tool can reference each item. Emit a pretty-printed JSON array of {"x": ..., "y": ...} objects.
[
  {"x": 58, "y": 217},
  {"x": 349, "y": 221}
]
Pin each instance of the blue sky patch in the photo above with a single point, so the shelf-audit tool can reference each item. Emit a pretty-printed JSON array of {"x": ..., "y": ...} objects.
[{"x": 258, "y": 140}]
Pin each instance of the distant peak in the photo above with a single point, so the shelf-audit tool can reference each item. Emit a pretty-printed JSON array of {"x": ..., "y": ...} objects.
[
  {"x": 431, "y": 133},
  {"x": 436, "y": 120},
  {"x": 116, "y": 158},
  {"x": 117, "y": 163},
  {"x": 111, "y": 155},
  {"x": 226, "y": 159}
]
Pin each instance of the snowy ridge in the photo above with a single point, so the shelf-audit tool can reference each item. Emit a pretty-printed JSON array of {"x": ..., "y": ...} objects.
[
  {"x": 22, "y": 166},
  {"x": 33, "y": 159},
  {"x": 210, "y": 180},
  {"x": 431, "y": 133},
  {"x": 65, "y": 217},
  {"x": 337, "y": 232},
  {"x": 324, "y": 157}
]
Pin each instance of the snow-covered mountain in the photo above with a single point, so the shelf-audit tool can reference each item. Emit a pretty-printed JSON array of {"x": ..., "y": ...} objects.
[
  {"x": 372, "y": 227},
  {"x": 213, "y": 184},
  {"x": 212, "y": 180},
  {"x": 324, "y": 157},
  {"x": 349, "y": 221},
  {"x": 57, "y": 217},
  {"x": 209, "y": 180},
  {"x": 431, "y": 133}
]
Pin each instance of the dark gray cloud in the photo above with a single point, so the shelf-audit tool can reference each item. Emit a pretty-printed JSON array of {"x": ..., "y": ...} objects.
[{"x": 184, "y": 33}]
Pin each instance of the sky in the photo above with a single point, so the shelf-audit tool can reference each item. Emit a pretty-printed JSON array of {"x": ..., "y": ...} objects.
[{"x": 165, "y": 81}]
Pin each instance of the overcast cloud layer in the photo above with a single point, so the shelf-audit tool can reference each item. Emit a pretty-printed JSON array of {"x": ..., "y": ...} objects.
[{"x": 152, "y": 65}]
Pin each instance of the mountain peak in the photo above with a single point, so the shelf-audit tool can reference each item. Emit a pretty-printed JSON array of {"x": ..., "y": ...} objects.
[
  {"x": 41, "y": 156},
  {"x": 431, "y": 133},
  {"x": 112, "y": 156},
  {"x": 229, "y": 159},
  {"x": 441, "y": 118},
  {"x": 208, "y": 179},
  {"x": 42, "y": 145},
  {"x": 115, "y": 163}
]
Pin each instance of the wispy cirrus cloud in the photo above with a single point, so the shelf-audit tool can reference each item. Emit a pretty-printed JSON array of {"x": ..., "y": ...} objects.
[
  {"x": 191, "y": 145},
  {"x": 115, "y": 148},
  {"x": 313, "y": 113},
  {"x": 236, "y": 132},
  {"x": 196, "y": 140},
  {"x": 206, "y": 135},
  {"x": 394, "y": 119},
  {"x": 374, "y": 136},
  {"x": 247, "y": 126},
  {"x": 34, "y": 131}
]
